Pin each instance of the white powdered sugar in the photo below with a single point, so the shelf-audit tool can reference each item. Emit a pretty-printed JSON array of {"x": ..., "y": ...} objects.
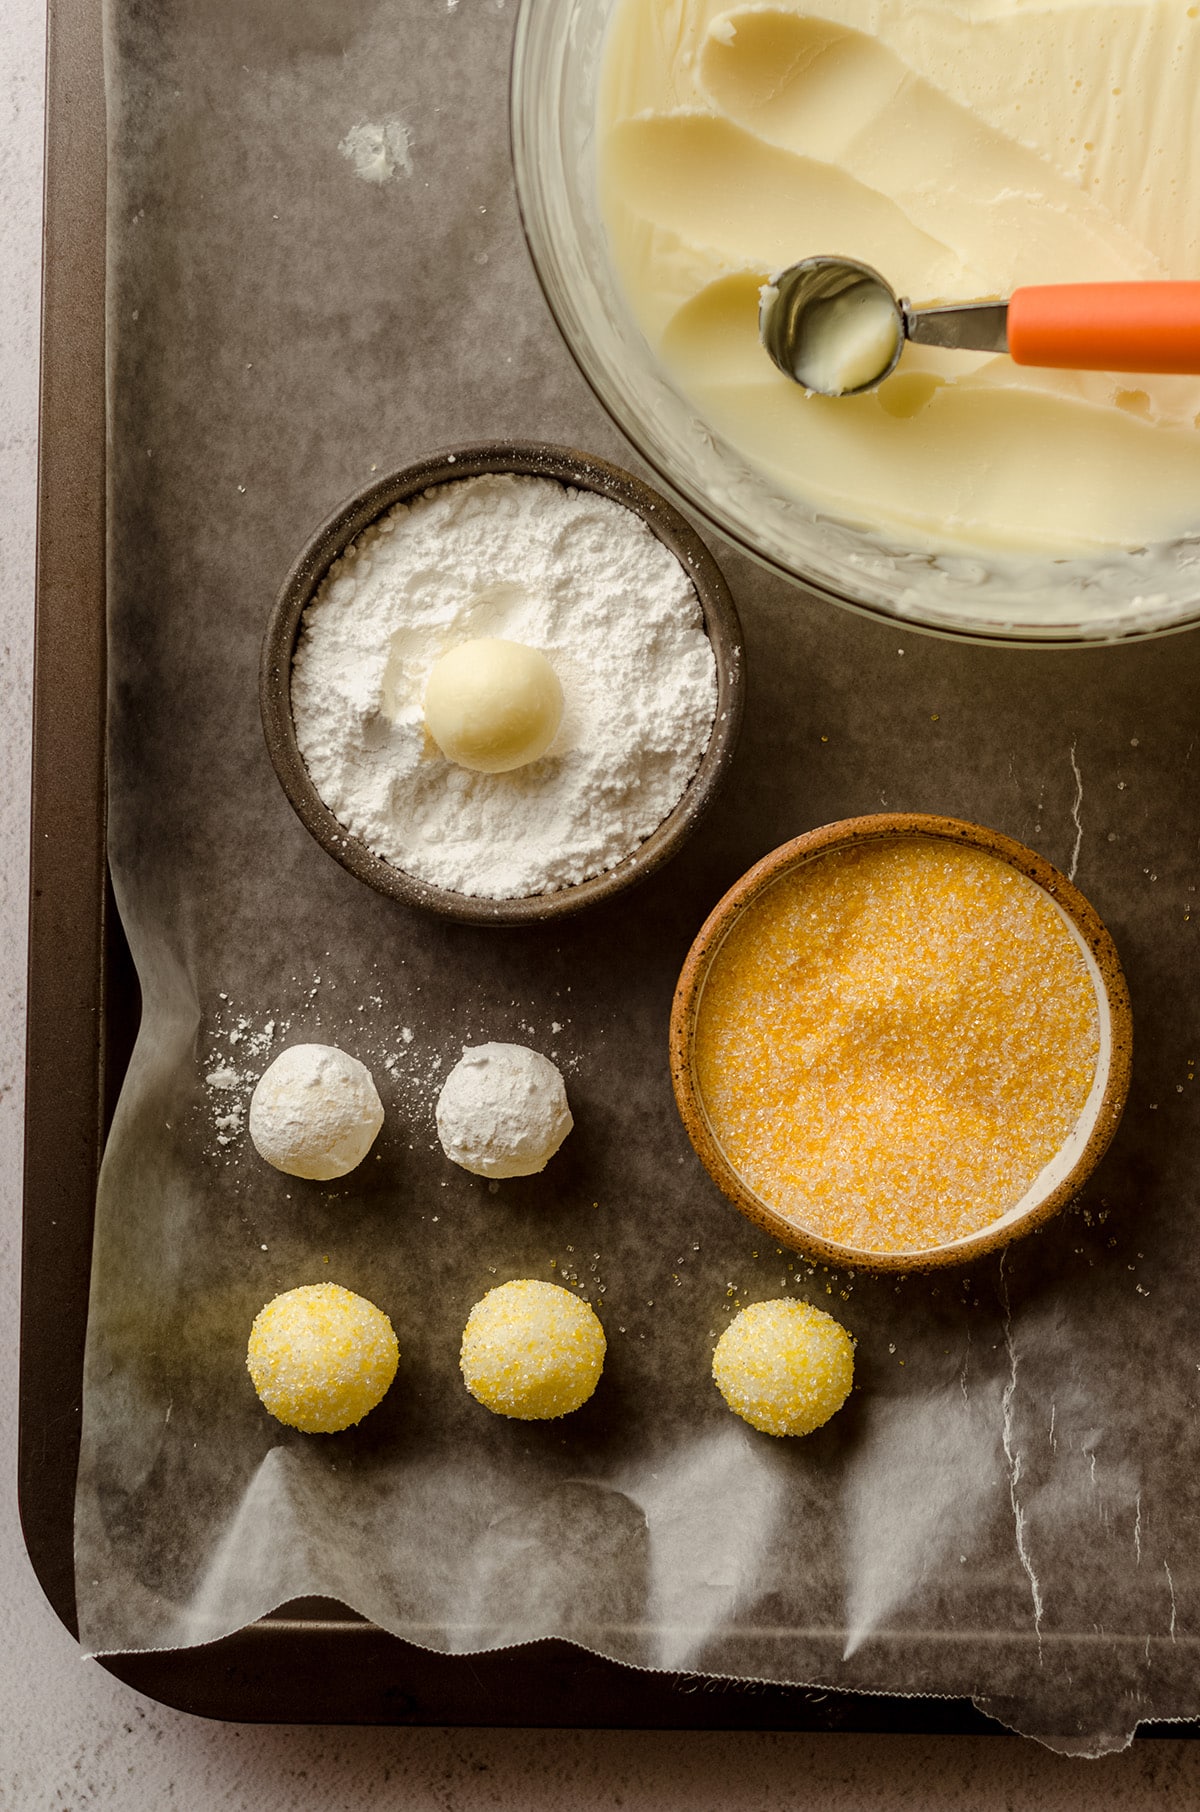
[
  {"x": 527, "y": 560},
  {"x": 227, "y": 1082}
]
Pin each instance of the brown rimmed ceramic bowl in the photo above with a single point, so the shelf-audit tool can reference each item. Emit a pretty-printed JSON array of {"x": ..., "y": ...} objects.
[
  {"x": 1058, "y": 1182},
  {"x": 582, "y": 471}
]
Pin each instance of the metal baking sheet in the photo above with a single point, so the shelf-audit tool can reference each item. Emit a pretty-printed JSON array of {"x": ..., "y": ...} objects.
[{"x": 1085, "y": 755}]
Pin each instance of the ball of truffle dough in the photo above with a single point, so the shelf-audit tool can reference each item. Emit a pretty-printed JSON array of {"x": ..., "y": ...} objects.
[
  {"x": 493, "y": 705},
  {"x": 315, "y": 1112},
  {"x": 784, "y": 1366},
  {"x": 503, "y": 1111},
  {"x": 532, "y": 1350},
  {"x": 321, "y": 1357}
]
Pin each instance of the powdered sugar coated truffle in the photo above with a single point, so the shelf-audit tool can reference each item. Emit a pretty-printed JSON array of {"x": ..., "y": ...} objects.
[
  {"x": 315, "y": 1112},
  {"x": 503, "y": 1111}
]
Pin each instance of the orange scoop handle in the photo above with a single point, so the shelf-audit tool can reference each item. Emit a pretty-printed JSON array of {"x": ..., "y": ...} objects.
[{"x": 1107, "y": 326}]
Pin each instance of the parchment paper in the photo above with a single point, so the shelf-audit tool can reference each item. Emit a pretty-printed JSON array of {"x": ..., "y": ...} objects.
[{"x": 1007, "y": 1506}]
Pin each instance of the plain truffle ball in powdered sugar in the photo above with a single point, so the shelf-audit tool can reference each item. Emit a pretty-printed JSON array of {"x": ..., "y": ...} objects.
[
  {"x": 526, "y": 560},
  {"x": 315, "y": 1112},
  {"x": 503, "y": 1111},
  {"x": 492, "y": 705}
]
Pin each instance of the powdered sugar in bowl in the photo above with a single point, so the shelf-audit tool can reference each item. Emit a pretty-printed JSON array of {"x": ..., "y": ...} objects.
[{"x": 623, "y": 634}]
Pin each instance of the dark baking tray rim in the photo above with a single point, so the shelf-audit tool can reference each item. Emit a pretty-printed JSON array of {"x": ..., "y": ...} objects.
[{"x": 311, "y": 1662}]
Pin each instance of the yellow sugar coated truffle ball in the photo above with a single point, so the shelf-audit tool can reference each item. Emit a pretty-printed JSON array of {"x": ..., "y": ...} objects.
[
  {"x": 321, "y": 1357},
  {"x": 493, "y": 705},
  {"x": 532, "y": 1350},
  {"x": 784, "y": 1366}
]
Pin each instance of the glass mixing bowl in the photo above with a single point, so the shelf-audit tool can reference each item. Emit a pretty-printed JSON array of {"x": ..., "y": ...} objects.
[{"x": 957, "y": 590}]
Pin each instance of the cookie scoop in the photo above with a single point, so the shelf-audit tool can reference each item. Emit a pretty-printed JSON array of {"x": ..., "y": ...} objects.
[{"x": 836, "y": 327}]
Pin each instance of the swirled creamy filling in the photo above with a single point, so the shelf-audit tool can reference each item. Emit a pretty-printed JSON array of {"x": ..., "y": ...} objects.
[{"x": 963, "y": 150}]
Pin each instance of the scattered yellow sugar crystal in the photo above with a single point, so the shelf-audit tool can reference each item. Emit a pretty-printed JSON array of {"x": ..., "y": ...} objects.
[
  {"x": 784, "y": 1366},
  {"x": 894, "y": 1040},
  {"x": 321, "y": 1357},
  {"x": 532, "y": 1350}
]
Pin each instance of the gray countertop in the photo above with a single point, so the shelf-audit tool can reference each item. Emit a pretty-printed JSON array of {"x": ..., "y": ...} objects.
[{"x": 70, "y": 1735}]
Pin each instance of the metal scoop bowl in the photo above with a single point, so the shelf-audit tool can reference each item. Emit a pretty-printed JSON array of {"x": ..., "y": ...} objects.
[{"x": 836, "y": 327}]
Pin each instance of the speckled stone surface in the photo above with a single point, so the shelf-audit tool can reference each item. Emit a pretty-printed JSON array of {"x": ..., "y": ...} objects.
[{"x": 70, "y": 1736}]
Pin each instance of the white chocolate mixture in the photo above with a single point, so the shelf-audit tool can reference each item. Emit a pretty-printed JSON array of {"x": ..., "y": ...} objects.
[{"x": 962, "y": 148}]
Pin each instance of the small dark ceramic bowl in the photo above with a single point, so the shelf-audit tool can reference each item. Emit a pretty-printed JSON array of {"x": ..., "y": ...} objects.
[
  {"x": 582, "y": 471},
  {"x": 1066, "y": 1173}
]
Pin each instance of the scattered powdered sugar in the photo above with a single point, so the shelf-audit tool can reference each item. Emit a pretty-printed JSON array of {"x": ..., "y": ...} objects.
[
  {"x": 528, "y": 560},
  {"x": 237, "y": 1054},
  {"x": 378, "y": 151}
]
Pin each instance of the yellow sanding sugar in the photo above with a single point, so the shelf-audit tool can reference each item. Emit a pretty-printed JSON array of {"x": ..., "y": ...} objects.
[
  {"x": 784, "y": 1366},
  {"x": 894, "y": 1040},
  {"x": 532, "y": 1350},
  {"x": 321, "y": 1357}
]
